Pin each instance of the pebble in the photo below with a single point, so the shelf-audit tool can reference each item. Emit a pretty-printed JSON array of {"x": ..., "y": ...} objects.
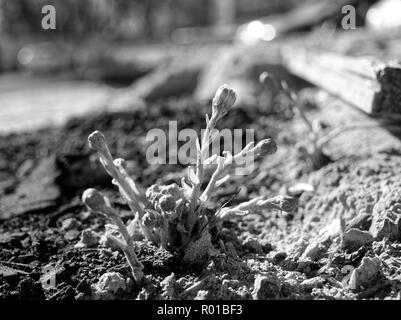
[
  {"x": 109, "y": 284},
  {"x": 386, "y": 217},
  {"x": 279, "y": 257},
  {"x": 314, "y": 251},
  {"x": 266, "y": 287},
  {"x": 309, "y": 284},
  {"x": 168, "y": 286},
  {"x": 354, "y": 239},
  {"x": 71, "y": 235},
  {"x": 252, "y": 245},
  {"x": 88, "y": 239},
  {"x": 70, "y": 224},
  {"x": 299, "y": 247},
  {"x": 367, "y": 271}
]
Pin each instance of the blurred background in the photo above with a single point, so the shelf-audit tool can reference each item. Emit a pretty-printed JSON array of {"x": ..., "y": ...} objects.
[{"x": 108, "y": 44}]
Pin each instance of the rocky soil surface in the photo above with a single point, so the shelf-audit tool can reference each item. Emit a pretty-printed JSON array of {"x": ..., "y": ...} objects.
[{"x": 343, "y": 241}]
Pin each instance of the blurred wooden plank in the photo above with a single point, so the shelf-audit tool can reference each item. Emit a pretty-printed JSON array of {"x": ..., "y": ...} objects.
[{"x": 371, "y": 85}]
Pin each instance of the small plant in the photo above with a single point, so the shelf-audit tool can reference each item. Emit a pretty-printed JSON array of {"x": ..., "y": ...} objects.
[
  {"x": 312, "y": 152},
  {"x": 177, "y": 217},
  {"x": 97, "y": 203}
]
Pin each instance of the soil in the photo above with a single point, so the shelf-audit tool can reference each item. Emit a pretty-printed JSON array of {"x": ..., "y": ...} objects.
[{"x": 303, "y": 255}]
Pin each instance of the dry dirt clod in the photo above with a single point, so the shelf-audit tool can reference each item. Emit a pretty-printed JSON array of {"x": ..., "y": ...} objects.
[
  {"x": 353, "y": 239},
  {"x": 251, "y": 244},
  {"x": 69, "y": 224},
  {"x": 368, "y": 270},
  {"x": 314, "y": 251},
  {"x": 299, "y": 247},
  {"x": 309, "y": 284},
  {"x": 109, "y": 285},
  {"x": 266, "y": 287},
  {"x": 168, "y": 286},
  {"x": 386, "y": 220},
  {"x": 88, "y": 239}
]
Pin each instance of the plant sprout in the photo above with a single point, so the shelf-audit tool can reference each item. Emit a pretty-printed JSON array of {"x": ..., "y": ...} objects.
[{"x": 177, "y": 217}]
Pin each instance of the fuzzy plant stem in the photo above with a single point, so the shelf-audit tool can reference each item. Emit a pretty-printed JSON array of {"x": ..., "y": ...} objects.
[
  {"x": 96, "y": 202},
  {"x": 121, "y": 165},
  {"x": 97, "y": 142},
  {"x": 222, "y": 102},
  {"x": 263, "y": 148},
  {"x": 212, "y": 183},
  {"x": 201, "y": 157},
  {"x": 282, "y": 203},
  {"x": 293, "y": 97},
  {"x": 116, "y": 169}
]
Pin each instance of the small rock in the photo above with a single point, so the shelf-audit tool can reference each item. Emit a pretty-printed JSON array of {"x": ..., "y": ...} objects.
[
  {"x": 386, "y": 226},
  {"x": 309, "y": 284},
  {"x": 266, "y": 287},
  {"x": 70, "y": 224},
  {"x": 279, "y": 257},
  {"x": 314, "y": 251},
  {"x": 386, "y": 220},
  {"x": 299, "y": 248},
  {"x": 71, "y": 235},
  {"x": 202, "y": 295},
  {"x": 368, "y": 270},
  {"x": 85, "y": 215},
  {"x": 331, "y": 230},
  {"x": 109, "y": 285},
  {"x": 353, "y": 239},
  {"x": 89, "y": 239},
  {"x": 105, "y": 241},
  {"x": 307, "y": 266},
  {"x": 266, "y": 246},
  {"x": 168, "y": 286},
  {"x": 252, "y": 245},
  {"x": 290, "y": 287}
]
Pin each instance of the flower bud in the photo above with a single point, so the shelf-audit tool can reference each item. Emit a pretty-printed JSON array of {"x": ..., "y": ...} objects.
[
  {"x": 286, "y": 203},
  {"x": 167, "y": 203},
  {"x": 94, "y": 200},
  {"x": 97, "y": 142},
  {"x": 151, "y": 219},
  {"x": 223, "y": 100},
  {"x": 265, "y": 147}
]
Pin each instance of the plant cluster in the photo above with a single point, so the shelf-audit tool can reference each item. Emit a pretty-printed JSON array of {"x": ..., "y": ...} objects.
[{"x": 177, "y": 217}]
